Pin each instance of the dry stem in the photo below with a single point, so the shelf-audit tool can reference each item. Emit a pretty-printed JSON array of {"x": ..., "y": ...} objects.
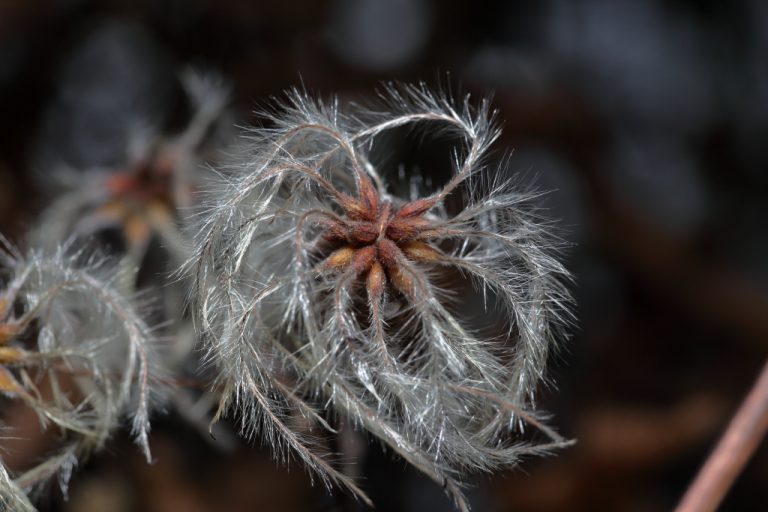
[{"x": 731, "y": 454}]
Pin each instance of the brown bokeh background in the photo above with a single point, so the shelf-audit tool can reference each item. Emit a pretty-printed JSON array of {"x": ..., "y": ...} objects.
[{"x": 647, "y": 121}]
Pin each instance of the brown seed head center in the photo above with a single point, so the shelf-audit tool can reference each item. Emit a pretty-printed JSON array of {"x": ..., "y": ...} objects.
[{"x": 376, "y": 240}]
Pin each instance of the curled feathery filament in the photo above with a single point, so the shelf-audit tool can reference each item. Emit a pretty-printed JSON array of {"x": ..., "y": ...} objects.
[
  {"x": 317, "y": 290},
  {"x": 77, "y": 352}
]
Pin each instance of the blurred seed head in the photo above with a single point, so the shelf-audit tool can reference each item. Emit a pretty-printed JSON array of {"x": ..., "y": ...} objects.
[
  {"x": 147, "y": 193},
  {"x": 318, "y": 290},
  {"x": 76, "y": 352},
  {"x": 137, "y": 209}
]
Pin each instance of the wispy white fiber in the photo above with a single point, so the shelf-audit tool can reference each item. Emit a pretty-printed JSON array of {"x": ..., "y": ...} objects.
[
  {"x": 76, "y": 352},
  {"x": 319, "y": 293}
]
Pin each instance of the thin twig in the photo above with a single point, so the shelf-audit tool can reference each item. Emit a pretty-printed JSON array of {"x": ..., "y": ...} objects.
[{"x": 737, "y": 445}]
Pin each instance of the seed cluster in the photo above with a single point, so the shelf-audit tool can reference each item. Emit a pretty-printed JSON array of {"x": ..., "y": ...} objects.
[
  {"x": 301, "y": 249},
  {"x": 57, "y": 313},
  {"x": 379, "y": 242}
]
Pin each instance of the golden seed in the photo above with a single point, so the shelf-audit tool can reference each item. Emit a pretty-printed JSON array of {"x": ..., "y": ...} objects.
[
  {"x": 339, "y": 258},
  {"x": 401, "y": 280},
  {"x": 420, "y": 251},
  {"x": 7, "y": 382},
  {"x": 11, "y": 355},
  {"x": 7, "y": 332},
  {"x": 375, "y": 281}
]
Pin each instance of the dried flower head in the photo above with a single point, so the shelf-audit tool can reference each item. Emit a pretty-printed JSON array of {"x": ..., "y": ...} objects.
[
  {"x": 143, "y": 197},
  {"x": 76, "y": 352},
  {"x": 316, "y": 288},
  {"x": 138, "y": 208}
]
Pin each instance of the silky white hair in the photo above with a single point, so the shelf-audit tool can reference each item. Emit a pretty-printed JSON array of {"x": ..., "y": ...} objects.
[
  {"x": 291, "y": 342},
  {"x": 88, "y": 335}
]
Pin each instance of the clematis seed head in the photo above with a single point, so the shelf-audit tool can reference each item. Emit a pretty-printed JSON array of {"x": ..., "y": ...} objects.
[{"x": 319, "y": 292}]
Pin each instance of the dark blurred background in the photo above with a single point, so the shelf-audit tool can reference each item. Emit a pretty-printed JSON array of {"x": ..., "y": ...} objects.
[{"x": 647, "y": 121}]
